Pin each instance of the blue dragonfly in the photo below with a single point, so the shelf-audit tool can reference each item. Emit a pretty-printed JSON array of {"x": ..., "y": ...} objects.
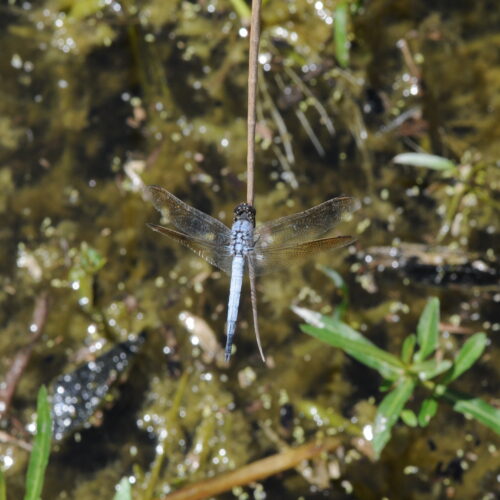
[{"x": 269, "y": 247}]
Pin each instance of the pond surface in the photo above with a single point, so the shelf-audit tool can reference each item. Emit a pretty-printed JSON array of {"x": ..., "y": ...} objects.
[{"x": 99, "y": 99}]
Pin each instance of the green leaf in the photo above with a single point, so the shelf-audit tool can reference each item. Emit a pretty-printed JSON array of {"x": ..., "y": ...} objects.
[
  {"x": 339, "y": 282},
  {"x": 428, "y": 329},
  {"x": 341, "y": 23},
  {"x": 340, "y": 335},
  {"x": 427, "y": 411},
  {"x": 123, "y": 490},
  {"x": 471, "y": 351},
  {"x": 474, "y": 407},
  {"x": 3, "y": 489},
  {"x": 408, "y": 348},
  {"x": 41, "y": 449},
  {"x": 431, "y": 368},
  {"x": 424, "y": 160},
  {"x": 388, "y": 413},
  {"x": 409, "y": 418}
]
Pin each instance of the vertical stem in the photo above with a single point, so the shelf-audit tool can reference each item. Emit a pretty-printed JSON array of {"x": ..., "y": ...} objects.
[
  {"x": 252, "y": 90},
  {"x": 253, "y": 66}
]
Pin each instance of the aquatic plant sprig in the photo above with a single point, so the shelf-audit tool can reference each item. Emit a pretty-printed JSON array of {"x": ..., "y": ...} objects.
[
  {"x": 466, "y": 187},
  {"x": 39, "y": 458},
  {"x": 416, "y": 367},
  {"x": 40, "y": 452}
]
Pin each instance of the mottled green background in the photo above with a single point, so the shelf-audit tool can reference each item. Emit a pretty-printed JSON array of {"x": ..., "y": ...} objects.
[{"x": 99, "y": 98}]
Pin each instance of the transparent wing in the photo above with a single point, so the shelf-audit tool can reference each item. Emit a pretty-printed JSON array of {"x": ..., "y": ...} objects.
[
  {"x": 188, "y": 220},
  {"x": 213, "y": 254},
  {"x": 269, "y": 259},
  {"x": 304, "y": 226}
]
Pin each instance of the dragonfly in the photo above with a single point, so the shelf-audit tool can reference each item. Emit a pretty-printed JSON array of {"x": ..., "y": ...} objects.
[{"x": 265, "y": 248}]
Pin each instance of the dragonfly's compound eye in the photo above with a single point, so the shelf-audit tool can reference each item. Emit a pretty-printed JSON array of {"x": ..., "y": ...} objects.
[{"x": 245, "y": 211}]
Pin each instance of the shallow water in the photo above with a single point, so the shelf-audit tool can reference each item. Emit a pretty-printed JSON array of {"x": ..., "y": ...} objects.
[{"x": 96, "y": 102}]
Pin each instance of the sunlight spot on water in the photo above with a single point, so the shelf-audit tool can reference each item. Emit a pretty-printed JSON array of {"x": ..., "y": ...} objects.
[
  {"x": 16, "y": 61},
  {"x": 410, "y": 469},
  {"x": 8, "y": 462}
]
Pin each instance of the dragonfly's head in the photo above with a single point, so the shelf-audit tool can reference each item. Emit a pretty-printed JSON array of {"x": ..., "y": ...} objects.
[{"x": 244, "y": 211}]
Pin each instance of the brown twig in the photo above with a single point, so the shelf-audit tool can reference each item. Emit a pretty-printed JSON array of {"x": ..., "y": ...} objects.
[
  {"x": 255, "y": 471},
  {"x": 252, "y": 91},
  {"x": 23, "y": 356},
  {"x": 7, "y": 438}
]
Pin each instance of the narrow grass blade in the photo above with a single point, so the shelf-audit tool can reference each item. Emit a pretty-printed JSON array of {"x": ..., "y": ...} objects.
[
  {"x": 424, "y": 160},
  {"x": 388, "y": 413},
  {"x": 318, "y": 320},
  {"x": 474, "y": 407},
  {"x": 342, "y": 336},
  {"x": 242, "y": 9},
  {"x": 428, "y": 329},
  {"x": 3, "y": 490},
  {"x": 471, "y": 351},
  {"x": 340, "y": 33},
  {"x": 41, "y": 449},
  {"x": 123, "y": 490},
  {"x": 427, "y": 411},
  {"x": 339, "y": 282}
]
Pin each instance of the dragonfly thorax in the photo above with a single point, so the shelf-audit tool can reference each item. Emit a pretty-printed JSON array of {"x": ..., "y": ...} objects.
[
  {"x": 242, "y": 229},
  {"x": 241, "y": 237}
]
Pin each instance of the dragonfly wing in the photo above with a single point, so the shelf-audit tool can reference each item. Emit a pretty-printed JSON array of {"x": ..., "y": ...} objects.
[
  {"x": 213, "y": 254},
  {"x": 304, "y": 226},
  {"x": 269, "y": 259},
  {"x": 188, "y": 220}
]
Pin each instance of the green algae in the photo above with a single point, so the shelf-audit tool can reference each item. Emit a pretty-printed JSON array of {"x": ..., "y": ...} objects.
[{"x": 91, "y": 96}]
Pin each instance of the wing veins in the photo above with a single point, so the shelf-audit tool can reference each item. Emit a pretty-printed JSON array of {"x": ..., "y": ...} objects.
[
  {"x": 269, "y": 259},
  {"x": 187, "y": 219},
  {"x": 211, "y": 252},
  {"x": 304, "y": 226}
]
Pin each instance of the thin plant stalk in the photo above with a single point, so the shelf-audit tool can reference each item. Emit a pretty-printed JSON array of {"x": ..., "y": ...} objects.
[
  {"x": 252, "y": 91},
  {"x": 278, "y": 120},
  {"x": 253, "y": 63},
  {"x": 255, "y": 471}
]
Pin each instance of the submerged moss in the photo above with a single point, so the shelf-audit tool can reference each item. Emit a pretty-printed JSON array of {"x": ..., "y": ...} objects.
[{"x": 98, "y": 99}]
